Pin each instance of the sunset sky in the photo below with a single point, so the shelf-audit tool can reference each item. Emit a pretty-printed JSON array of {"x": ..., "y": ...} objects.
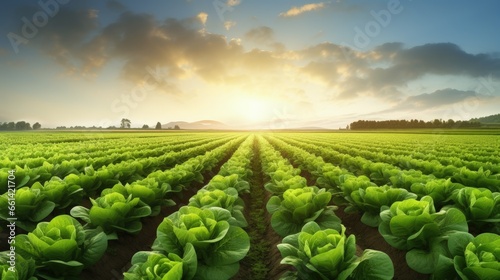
[{"x": 247, "y": 63}]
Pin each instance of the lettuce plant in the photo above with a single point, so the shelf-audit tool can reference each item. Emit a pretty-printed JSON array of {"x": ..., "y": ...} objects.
[
  {"x": 218, "y": 244},
  {"x": 441, "y": 190},
  {"x": 61, "y": 247},
  {"x": 114, "y": 212},
  {"x": 480, "y": 178},
  {"x": 148, "y": 191},
  {"x": 370, "y": 200},
  {"x": 282, "y": 181},
  {"x": 329, "y": 254},
  {"x": 60, "y": 192},
  {"x": 481, "y": 259},
  {"x": 227, "y": 199},
  {"x": 231, "y": 181},
  {"x": 299, "y": 206},
  {"x": 470, "y": 257},
  {"x": 480, "y": 206},
  {"x": 414, "y": 223},
  {"x": 24, "y": 268},
  {"x": 155, "y": 265},
  {"x": 31, "y": 206}
]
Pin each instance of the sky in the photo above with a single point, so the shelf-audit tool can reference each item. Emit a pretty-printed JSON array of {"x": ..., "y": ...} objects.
[{"x": 247, "y": 63}]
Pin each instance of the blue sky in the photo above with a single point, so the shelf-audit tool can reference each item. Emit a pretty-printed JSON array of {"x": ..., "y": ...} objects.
[{"x": 247, "y": 63}]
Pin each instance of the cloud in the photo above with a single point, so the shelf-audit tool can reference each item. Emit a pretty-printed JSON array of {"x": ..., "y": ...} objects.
[
  {"x": 295, "y": 11},
  {"x": 260, "y": 35},
  {"x": 116, "y": 5},
  {"x": 388, "y": 68},
  {"x": 229, "y": 24},
  {"x": 442, "y": 98},
  {"x": 232, "y": 3},
  {"x": 202, "y": 17}
]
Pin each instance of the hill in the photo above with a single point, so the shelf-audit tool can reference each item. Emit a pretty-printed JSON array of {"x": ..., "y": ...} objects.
[
  {"x": 488, "y": 119},
  {"x": 199, "y": 125}
]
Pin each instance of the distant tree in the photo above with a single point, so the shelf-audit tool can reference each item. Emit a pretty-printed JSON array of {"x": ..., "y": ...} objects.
[
  {"x": 347, "y": 127},
  {"x": 176, "y": 127},
  {"x": 11, "y": 126},
  {"x": 145, "y": 126},
  {"x": 37, "y": 125},
  {"x": 125, "y": 123},
  {"x": 158, "y": 125},
  {"x": 20, "y": 125}
]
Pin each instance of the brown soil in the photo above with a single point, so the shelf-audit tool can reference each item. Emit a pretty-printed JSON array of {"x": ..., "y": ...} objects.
[{"x": 264, "y": 239}]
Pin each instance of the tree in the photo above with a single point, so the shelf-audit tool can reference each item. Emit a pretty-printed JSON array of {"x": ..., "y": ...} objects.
[
  {"x": 20, "y": 125},
  {"x": 145, "y": 126},
  {"x": 158, "y": 125},
  {"x": 176, "y": 127},
  {"x": 37, "y": 125},
  {"x": 125, "y": 123}
]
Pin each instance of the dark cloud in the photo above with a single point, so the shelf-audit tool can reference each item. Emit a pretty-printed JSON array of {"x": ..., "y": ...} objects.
[
  {"x": 438, "y": 98},
  {"x": 116, "y": 6},
  {"x": 390, "y": 66}
]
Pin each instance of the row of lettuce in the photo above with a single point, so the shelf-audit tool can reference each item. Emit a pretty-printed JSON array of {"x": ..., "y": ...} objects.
[
  {"x": 441, "y": 147},
  {"x": 204, "y": 239},
  {"x": 429, "y": 220},
  {"x": 36, "y": 202},
  {"x": 100, "y": 150},
  {"x": 314, "y": 240},
  {"x": 406, "y": 174},
  {"x": 62, "y": 247},
  {"x": 139, "y": 163}
]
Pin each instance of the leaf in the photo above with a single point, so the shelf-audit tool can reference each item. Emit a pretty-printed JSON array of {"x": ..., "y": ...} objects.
[
  {"x": 80, "y": 212},
  {"x": 374, "y": 265},
  {"x": 232, "y": 248},
  {"x": 94, "y": 249},
  {"x": 209, "y": 272}
]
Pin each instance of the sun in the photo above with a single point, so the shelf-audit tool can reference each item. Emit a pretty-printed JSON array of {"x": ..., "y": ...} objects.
[{"x": 253, "y": 109}]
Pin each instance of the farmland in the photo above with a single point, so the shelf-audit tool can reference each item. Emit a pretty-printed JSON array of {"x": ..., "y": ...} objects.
[{"x": 250, "y": 205}]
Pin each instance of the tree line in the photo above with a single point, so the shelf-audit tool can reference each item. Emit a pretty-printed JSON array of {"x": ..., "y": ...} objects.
[
  {"x": 20, "y": 125},
  {"x": 410, "y": 124}
]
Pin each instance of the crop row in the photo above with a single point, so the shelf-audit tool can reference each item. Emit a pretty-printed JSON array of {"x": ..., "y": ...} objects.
[
  {"x": 385, "y": 173},
  {"x": 91, "y": 180},
  {"x": 405, "y": 158},
  {"x": 431, "y": 223},
  {"x": 314, "y": 240},
  {"x": 63, "y": 246},
  {"x": 96, "y": 153},
  {"x": 205, "y": 239}
]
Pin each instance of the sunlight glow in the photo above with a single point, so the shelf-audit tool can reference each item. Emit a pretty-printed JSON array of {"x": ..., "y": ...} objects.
[{"x": 253, "y": 109}]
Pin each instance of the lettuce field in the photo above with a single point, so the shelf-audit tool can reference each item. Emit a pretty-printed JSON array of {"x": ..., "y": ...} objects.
[{"x": 250, "y": 205}]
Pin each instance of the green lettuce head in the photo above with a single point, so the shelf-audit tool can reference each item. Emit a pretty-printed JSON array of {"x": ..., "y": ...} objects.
[
  {"x": 61, "y": 247},
  {"x": 23, "y": 269},
  {"x": 480, "y": 259},
  {"x": 114, "y": 212},
  {"x": 414, "y": 223},
  {"x": 155, "y": 265},
  {"x": 329, "y": 254},
  {"x": 31, "y": 206},
  {"x": 299, "y": 206},
  {"x": 480, "y": 206},
  {"x": 227, "y": 199},
  {"x": 219, "y": 245}
]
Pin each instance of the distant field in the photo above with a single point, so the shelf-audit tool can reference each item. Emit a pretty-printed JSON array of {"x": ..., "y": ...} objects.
[{"x": 132, "y": 189}]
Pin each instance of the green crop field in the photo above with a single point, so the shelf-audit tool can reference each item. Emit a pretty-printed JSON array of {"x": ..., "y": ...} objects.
[{"x": 250, "y": 205}]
